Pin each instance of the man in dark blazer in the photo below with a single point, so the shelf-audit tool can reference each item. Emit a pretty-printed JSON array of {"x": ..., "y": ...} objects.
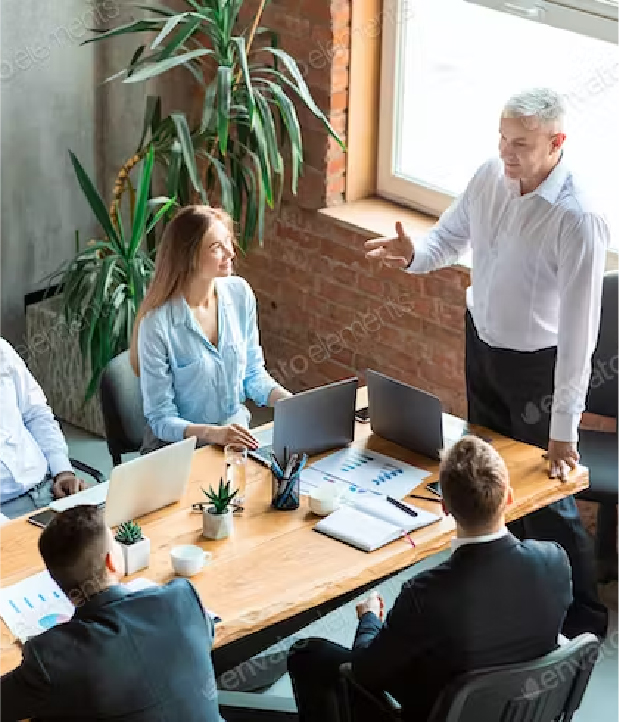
[
  {"x": 140, "y": 656},
  {"x": 497, "y": 600}
]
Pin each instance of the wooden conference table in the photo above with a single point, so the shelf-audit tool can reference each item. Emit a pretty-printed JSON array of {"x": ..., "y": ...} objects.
[{"x": 275, "y": 575}]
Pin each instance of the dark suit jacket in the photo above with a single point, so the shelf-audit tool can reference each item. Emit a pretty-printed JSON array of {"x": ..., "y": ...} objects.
[
  {"x": 143, "y": 656},
  {"x": 491, "y": 603}
]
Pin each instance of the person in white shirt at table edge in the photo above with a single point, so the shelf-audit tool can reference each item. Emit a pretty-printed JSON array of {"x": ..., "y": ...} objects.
[
  {"x": 533, "y": 307},
  {"x": 34, "y": 461},
  {"x": 195, "y": 342}
]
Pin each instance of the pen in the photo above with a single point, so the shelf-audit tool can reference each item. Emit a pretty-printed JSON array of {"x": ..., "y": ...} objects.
[
  {"x": 434, "y": 492},
  {"x": 400, "y": 505},
  {"x": 422, "y": 497},
  {"x": 275, "y": 466}
]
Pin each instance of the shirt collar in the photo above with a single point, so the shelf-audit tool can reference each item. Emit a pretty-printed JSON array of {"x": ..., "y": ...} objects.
[
  {"x": 457, "y": 542},
  {"x": 549, "y": 188},
  {"x": 104, "y": 597},
  {"x": 179, "y": 310},
  {"x": 181, "y": 313}
]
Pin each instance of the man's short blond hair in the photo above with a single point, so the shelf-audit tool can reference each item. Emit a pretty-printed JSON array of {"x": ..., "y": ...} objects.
[{"x": 474, "y": 482}]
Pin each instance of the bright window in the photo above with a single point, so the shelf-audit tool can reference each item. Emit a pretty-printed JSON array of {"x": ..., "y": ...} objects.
[{"x": 448, "y": 66}]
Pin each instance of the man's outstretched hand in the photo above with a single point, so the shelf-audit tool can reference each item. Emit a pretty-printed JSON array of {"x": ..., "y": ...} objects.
[{"x": 395, "y": 251}]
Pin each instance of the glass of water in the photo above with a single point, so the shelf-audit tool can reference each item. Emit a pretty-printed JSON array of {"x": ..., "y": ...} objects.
[{"x": 236, "y": 470}]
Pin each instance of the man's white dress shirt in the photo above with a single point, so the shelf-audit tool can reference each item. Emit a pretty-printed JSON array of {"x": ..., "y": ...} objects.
[
  {"x": 31, "y": 442},
  {"x": 537, "y": 268},
  {"x": 457, "y": 542}
]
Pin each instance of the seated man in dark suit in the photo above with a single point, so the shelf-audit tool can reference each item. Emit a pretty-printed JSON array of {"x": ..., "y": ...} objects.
[
  {"x": 497, "y": 600},
  {"x": 139, "y": 656}
]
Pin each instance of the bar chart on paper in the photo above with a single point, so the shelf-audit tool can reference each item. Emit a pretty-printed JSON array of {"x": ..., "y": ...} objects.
[
  {"x": 34, "y": 605},
  {"x": 363, "y": 470}
]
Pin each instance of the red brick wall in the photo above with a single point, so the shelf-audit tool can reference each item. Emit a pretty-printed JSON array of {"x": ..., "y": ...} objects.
[{"x": 324, "y": 311}]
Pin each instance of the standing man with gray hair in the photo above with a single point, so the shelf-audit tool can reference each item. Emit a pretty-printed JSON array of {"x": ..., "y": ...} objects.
[{"x": 533, "y": 308}]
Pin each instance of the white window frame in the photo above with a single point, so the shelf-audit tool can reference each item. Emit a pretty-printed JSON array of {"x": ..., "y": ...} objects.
[{"x": 595, "y": 18}]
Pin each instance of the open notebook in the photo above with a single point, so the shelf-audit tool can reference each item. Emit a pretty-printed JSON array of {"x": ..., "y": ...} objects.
[{"x": 371, "y": 522}]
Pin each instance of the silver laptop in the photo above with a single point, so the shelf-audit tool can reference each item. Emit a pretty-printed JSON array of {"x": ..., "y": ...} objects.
[
  {"x": 139, "y": 486},
  {"x": 312, "y": 422},
  {"x": 405, "y": 415}
]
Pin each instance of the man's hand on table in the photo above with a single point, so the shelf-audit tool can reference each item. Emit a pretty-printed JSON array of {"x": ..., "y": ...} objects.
[
  {"x": 562, "y": 457},
  {"x": 66, "y": 483}
]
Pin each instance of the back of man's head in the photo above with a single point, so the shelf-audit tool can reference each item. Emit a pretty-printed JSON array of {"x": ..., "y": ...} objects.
[
  {"x": 474, "y": 483},
  {"x": 74, "y": 547}
]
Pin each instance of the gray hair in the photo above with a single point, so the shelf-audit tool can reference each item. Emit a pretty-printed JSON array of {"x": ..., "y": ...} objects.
[{"x": 544, "y": 104}]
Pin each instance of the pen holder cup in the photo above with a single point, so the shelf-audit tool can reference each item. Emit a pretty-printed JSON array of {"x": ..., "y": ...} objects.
[{"x": 285, "y": 494}]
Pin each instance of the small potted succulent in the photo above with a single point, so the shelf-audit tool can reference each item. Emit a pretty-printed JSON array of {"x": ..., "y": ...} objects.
[
  {"x": 135, "y": 547},
  {"x": 217, "y": 520}
]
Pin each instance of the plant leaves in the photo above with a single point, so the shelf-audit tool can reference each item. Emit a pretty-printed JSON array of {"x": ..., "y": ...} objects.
[
  {"x": 209, "y": 105},
  {"x": 224, "y": 78},
  {"x": 152, "y": 117},
  {"x": 239, "y": 41},
  {"x": 162, "y": 66},
  {"x": 95, "y": 201},
  {"x": 138, "y": 26},
  {"x": 189, "y": 156},
  {"x": 139, "y": 220},
  {"x": 180, "y": 38}
]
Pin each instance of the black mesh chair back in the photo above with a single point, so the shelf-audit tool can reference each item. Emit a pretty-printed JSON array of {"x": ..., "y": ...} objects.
[
  {"x": 121, "y": 404},
  {"x": 549, "y": 688}
]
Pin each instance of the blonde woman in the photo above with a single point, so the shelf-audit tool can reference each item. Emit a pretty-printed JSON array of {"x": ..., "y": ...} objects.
[{"x": 195, "y": 341}]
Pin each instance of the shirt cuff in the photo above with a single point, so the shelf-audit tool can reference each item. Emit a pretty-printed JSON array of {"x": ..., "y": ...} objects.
[
  {"x": 172, "y": 430},
  {"x": 564, "y": 426},
  {"x": 58, "y": 462},
  {"x": 418, "y": 264}
]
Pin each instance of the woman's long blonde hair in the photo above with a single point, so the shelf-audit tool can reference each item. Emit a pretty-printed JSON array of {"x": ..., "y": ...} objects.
[{"x": 177, "y": 258}]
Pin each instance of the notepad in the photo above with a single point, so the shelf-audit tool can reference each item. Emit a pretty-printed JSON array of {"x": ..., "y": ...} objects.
[{"x": 370, "y": 523}]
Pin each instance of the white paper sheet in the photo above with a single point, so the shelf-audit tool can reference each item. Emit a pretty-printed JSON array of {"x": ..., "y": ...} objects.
[
  {"x": 34, "y": 605},
  {"x": 363, "y": 469}
]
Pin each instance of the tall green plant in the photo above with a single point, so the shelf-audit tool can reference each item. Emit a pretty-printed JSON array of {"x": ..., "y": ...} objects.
[
  {"x": 104, "y": 284},
  {"x": 248, "y": 116}
]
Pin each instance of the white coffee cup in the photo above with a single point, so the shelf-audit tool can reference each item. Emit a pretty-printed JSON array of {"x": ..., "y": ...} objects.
[
  {"x": 187, "y": 560},
  {"x": 325, "y": 499}
]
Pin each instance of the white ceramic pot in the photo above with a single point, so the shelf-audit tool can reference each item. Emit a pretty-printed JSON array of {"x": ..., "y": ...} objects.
[
  {"x": 216, "y": 527},
  {"x": 136, "y": 556}
]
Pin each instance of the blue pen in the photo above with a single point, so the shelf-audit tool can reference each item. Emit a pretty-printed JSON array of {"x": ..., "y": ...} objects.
[
  {"x": 301, "y": 464},
  {"x": 275, "y": 467}
]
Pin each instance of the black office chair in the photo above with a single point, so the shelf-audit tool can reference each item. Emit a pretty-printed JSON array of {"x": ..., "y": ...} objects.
[
  {"x": 83, "y": 467},
  {"x": 549, "y": 688},
  {"x": 598, "y": 450},
  {"x": 121, "y": 404}
]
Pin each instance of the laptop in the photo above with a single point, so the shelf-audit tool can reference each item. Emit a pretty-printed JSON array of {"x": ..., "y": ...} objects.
[
  {"x": 139, "y": 486},
  {"x": 405, "y": 415},
  {"x": 309, "y": 422}
]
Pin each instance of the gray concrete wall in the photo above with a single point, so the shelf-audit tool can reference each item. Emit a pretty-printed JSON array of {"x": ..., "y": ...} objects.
[
  {"x": 53, "y": 100},
  {"x": 47, "y": 108}
]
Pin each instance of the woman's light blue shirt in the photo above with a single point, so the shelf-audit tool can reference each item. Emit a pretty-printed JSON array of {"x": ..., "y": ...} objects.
[{"x": 185, "y": 379}]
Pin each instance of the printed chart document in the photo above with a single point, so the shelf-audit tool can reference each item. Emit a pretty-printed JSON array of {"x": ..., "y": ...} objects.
[
  {"x": 34, "y": 605},
  {"x": 371, "y": 521},
  {"x": 358, "y": 468}
]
